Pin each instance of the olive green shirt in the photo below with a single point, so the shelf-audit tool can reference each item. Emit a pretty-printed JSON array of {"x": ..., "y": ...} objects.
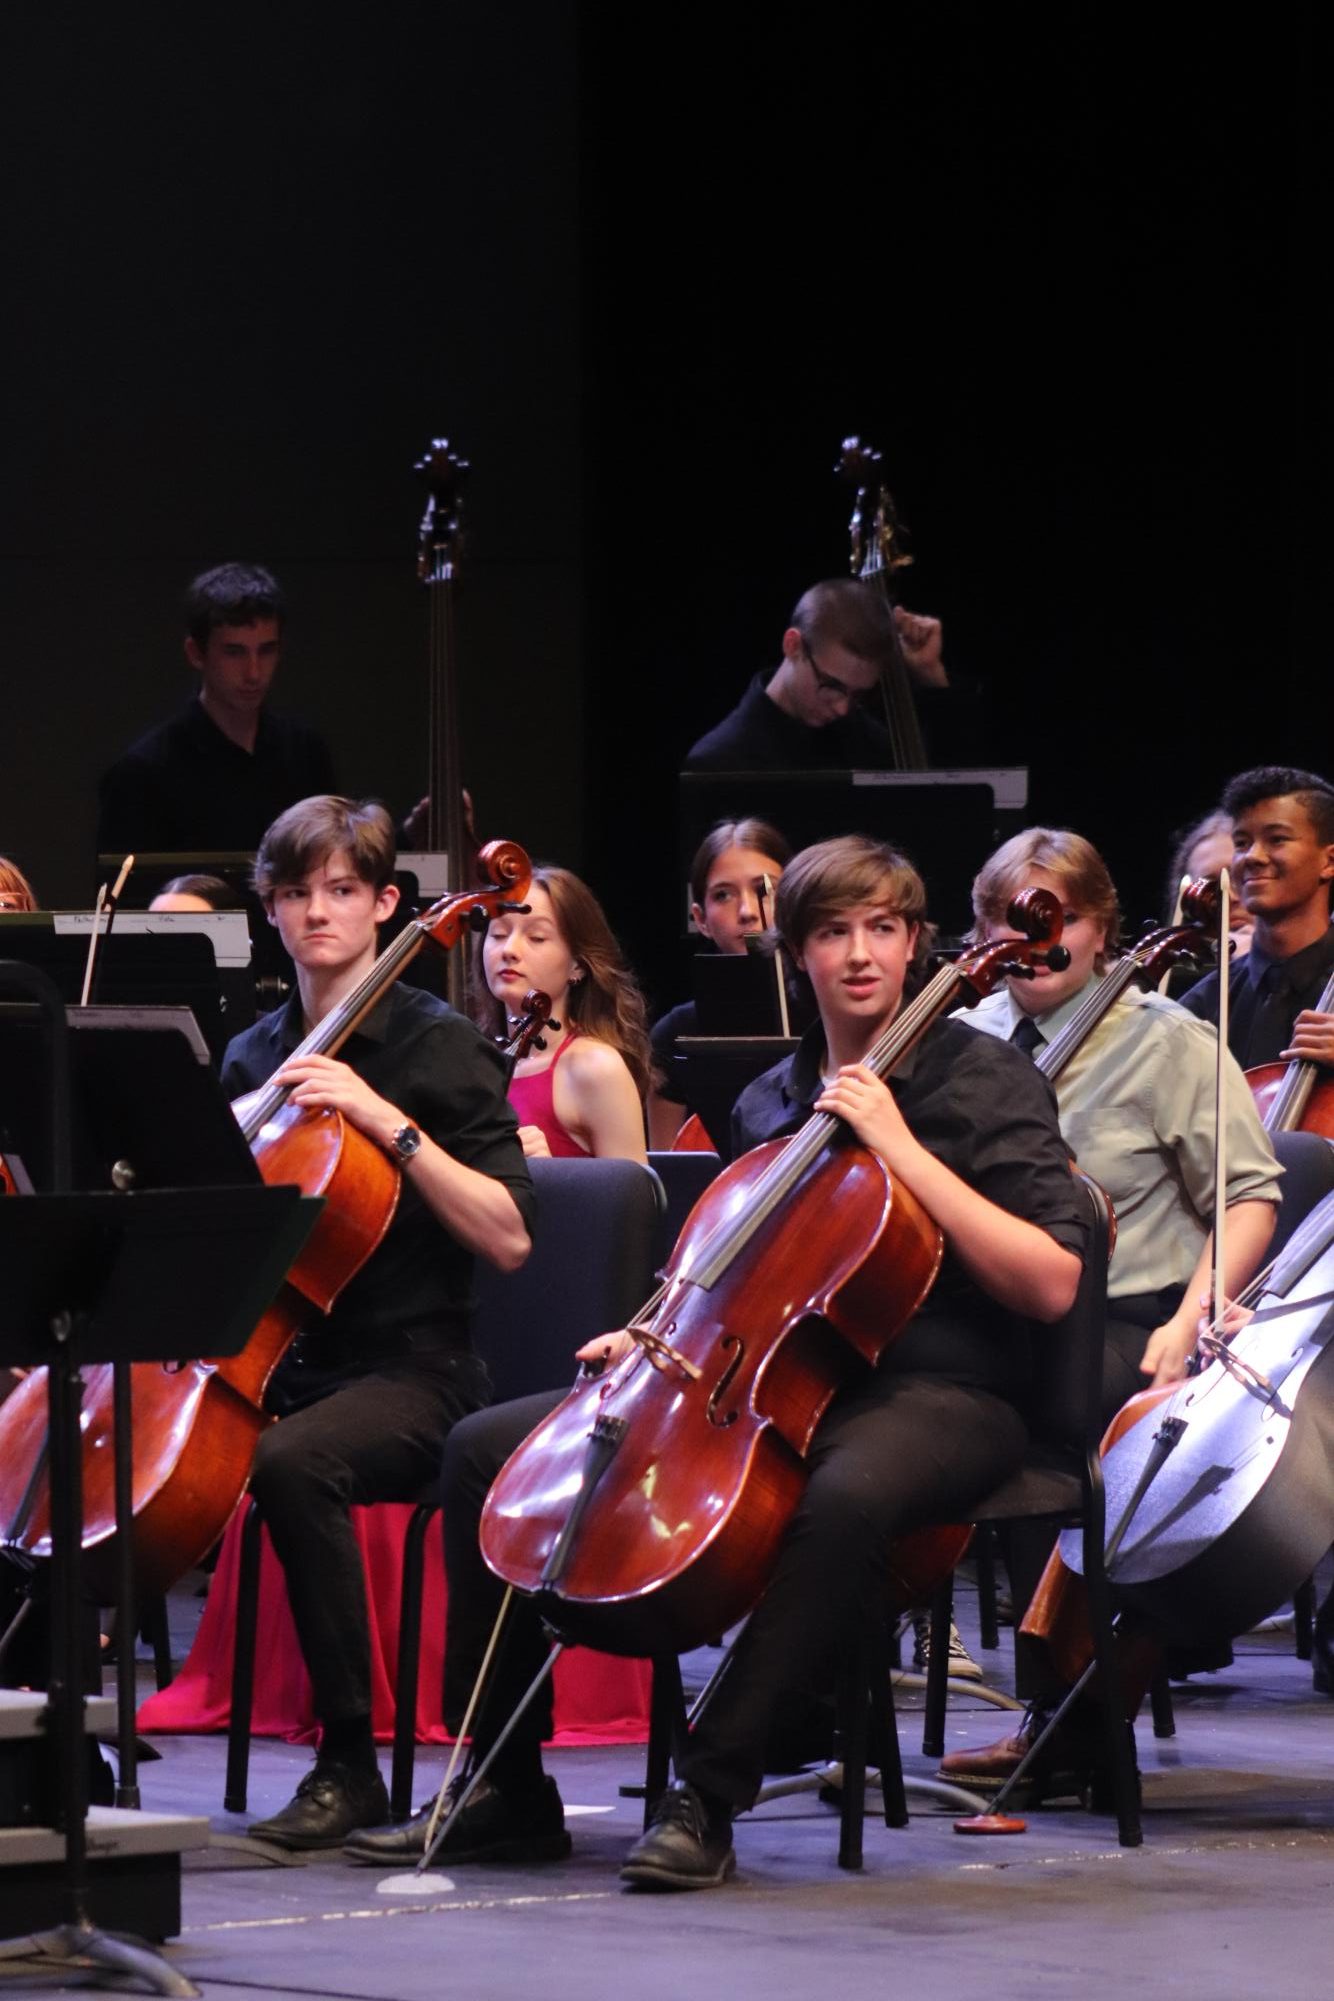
[{"x": 1136, "y": 1105}]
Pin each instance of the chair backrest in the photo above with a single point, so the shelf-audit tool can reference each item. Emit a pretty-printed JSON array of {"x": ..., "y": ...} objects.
[
  {"x": 684, "y": 1177},
  {"x": 1307, "y": 1160},
  {"x": 1067, "y": 1353},
  {"x": 591, "y": 1267}
]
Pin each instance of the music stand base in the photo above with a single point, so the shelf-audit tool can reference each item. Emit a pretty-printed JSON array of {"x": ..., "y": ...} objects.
[
  {"x": 112, "y": 1953},
  {"x": 938, "y": 1791}
]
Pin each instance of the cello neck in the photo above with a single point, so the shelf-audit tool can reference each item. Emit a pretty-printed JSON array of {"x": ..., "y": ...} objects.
[
  {"x": 804, "y": 1148},
  {"x": 332, "y": 1031},
  {"x": 1063, "y": 1047}
]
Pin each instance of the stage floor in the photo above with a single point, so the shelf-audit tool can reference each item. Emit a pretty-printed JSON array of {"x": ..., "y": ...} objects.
[{"x": 1229, "y": 1896}]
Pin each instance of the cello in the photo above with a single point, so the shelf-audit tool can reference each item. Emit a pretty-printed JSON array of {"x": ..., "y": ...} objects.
[
  {"x": 1240, "y": 1508},
  {"x": 1186, "y": 941},
  {"x": 646, "y": 1512},
  {"x": 195, "y": 1425},
  {"x": 1297, "y": 1096}
]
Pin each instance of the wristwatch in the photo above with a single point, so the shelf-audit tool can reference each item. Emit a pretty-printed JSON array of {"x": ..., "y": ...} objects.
[{"x": 405, "y": 1143}]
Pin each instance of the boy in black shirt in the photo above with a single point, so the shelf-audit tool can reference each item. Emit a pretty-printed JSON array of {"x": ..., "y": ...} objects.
[{"x": 367, "y": 1394}]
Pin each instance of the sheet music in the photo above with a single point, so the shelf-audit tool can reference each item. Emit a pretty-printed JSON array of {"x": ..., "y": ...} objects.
[{"x": 228, "y": 929}]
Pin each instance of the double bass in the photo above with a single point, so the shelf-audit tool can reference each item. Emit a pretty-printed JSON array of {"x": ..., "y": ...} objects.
[
  {"x": 878, "y": 551},
  {"x": 195, "y": 1425},
  {"x": 646, "y": 1512}
]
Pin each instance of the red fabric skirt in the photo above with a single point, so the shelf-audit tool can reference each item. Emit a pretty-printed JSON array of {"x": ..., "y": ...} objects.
[{"x": 599, "y": 1698}]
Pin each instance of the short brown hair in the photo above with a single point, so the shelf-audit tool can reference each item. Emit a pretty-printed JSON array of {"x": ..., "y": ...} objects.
[
  {"x": 1068, "y": 856},
  {"x": 304, "y": 837},
  {"x": 834, "y": 876},
  {"x": 846, "y": 612}
]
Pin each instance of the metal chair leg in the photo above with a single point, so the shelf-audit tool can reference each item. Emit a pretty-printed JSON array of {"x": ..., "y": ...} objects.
[
  {"x": 158, "y": 1634},
  {"x": 937, "y": 1671},
  {"x": 243, "y": 1663},
  {"x": 407, "y": 1670},
  {"x": 1160, "y": 1703},
  {"x": 984, "y": 1556}
]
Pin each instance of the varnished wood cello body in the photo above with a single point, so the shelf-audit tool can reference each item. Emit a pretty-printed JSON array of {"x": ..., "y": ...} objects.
[
  {"x": 1297, "y": 1096},
  {"x": 646, "y": 1512},
  {"x": 195, "y": 1425}
]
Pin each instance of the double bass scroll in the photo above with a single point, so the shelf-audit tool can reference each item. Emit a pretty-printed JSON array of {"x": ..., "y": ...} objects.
[
  {"x": 877, "y": 553},
  {"x": 439, "y": 555}
]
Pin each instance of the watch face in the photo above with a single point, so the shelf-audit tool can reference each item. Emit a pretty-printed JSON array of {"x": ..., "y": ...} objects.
[{"x": 407, "y": 1141}]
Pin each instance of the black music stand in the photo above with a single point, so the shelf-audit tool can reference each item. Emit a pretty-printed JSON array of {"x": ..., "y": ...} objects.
[
  {"x": 942, "y": 820},
  {"x": 85, "y": 1278},
  {"x": 718, "y": 1069}
]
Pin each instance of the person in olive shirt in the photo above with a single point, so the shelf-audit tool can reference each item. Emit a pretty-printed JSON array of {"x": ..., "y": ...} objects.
[
  {"x": 221, "y": 770},
  {"x": 366, "y": 1395}
]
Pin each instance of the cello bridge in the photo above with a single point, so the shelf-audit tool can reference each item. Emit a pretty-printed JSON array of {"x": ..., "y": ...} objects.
[{"x": 661, "y": 1352}]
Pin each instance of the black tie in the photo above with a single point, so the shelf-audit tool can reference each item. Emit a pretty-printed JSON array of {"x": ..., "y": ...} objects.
[{"x": 1027, "y": 1036}]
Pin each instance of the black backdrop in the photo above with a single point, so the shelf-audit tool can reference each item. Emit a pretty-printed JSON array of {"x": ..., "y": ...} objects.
[{"x": 1060, "y": 265}]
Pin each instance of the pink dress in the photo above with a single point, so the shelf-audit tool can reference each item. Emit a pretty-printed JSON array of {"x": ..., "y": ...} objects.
[{"x": 533, "y": 1099}]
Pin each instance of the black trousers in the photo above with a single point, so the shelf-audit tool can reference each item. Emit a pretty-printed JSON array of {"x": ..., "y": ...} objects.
[
  {"x": 475, "y": 1451},
  {"x": 897, "y": 1453},
  {"x": 900, "y": 1451},
  {"x": 1130, "y": 1322},
  {"x": 349, "y": 1438}
]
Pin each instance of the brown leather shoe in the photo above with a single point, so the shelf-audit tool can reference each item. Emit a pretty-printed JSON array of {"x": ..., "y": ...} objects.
[{"x": 1064, "y": 1770}]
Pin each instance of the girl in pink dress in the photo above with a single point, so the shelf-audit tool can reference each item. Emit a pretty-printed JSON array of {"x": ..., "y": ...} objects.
[{"x": 583, "y": 1092}]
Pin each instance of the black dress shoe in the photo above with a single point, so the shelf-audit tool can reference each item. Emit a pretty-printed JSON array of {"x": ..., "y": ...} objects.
[
  {"x": 493, "y": 1827},
  {"x": 330, "y": 1801},
  {"x": 688, "y": 1846}
]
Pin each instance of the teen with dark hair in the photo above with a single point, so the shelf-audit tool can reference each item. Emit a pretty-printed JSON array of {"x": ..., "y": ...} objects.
[
  {"x": 196, "y": 892},
  {"x": 729, "y": 905},
  {"x": 222, "y": 769},
  {"x": 367, "y": 1394},
  {"x": 1283, "y": 869}
]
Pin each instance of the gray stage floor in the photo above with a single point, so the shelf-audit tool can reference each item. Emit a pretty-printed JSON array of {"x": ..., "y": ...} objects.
[{"x": 1229, "y": 1896}]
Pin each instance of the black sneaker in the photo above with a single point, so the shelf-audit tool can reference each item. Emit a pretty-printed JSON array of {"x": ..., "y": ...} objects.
[
  {"x": 688, "y": 1845},
  {"x": 493, "y": 1827},
  {"x": 329, "y": 1802}
]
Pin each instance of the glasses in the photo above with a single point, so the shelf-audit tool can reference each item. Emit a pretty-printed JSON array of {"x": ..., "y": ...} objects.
[{"x": 829, "y": 684}]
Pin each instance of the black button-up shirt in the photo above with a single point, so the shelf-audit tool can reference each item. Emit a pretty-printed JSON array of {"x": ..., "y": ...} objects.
[
  {"x": 446, "y": 1078},
  {"x": 982, "y": 1109},
  {"x": 186, "y": 788},
  {"x": 1265, "y": 997}
]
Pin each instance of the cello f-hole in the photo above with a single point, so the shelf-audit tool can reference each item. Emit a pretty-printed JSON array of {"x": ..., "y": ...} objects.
[{"x": 719, "y": 1389}]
